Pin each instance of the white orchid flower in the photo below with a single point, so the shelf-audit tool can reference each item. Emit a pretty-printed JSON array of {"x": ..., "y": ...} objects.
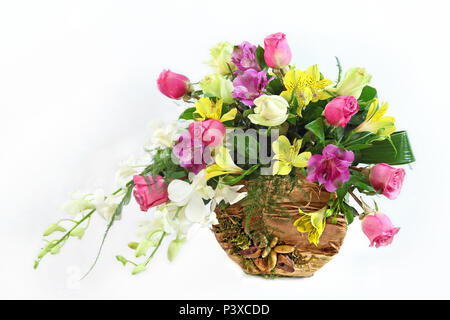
[
  {"x": 191, "y": 196},
  {"x": 78, "y": 204},
  {"x": 105, "y": 206},
  {"x": 229, "y": 194},
  {"x": 132, "y": 166},
  {"x": 165, "y": 136}
]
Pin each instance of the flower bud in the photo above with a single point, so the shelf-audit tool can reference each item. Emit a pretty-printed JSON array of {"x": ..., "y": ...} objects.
[
  {"x": 277, "y": 53},
  {"x": 219, "y": 87},
  {"x": 221, "y": 58},
  {"x": 340, "y": 110},
  {"x": 387, "y": 179},
  {"x": 53, "y": 228},
  {"x": 149, "y": 191},
  {"x": 173, "y": 85},
  {"x": 379, "y": 229},
  {"x": 353, "y": 83}
]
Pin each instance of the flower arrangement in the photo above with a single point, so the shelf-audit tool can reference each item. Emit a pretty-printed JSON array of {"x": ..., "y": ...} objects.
[{"x": 265, "y": 154}]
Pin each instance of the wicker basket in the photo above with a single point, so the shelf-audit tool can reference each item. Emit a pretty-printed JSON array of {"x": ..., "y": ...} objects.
[{"x": 306, "y": 258}]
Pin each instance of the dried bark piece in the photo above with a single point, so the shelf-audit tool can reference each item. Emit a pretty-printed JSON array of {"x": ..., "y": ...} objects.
[
  {"x": 262, "y": 265},
  {"x": 284, "y": 249},
  {"x": 272, "y": 260},
  {"x": 251, "y": 253},
  {"x": 285, "y": 263}
]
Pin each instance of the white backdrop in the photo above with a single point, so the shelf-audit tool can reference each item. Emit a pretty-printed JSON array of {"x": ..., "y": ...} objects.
[{"x": 78, "y": 89}]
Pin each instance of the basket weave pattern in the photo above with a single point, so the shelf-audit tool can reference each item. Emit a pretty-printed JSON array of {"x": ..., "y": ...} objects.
[{"x": 310, "y": 258}]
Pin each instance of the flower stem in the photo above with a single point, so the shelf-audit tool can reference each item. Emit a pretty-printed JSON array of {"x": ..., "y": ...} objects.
[
  {"x": 156, "y": 248},
  {"x": 359, "y": 202}
]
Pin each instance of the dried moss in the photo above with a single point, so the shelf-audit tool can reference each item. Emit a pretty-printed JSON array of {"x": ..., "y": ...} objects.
[{"x": 297, "y": 258}]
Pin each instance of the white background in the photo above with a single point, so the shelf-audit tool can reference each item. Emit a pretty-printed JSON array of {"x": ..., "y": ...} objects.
[{"x": 78, "y": 89}]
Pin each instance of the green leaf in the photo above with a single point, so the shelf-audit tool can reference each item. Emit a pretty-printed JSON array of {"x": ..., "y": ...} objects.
[
  {"x": 260, "y": 57},
  {"x": 313, "y": 111},
  {"x": 358, "y": 147},
  {"x": 122, "y": 260},
  {"x": 395, "y": 152},
  {"x": 350, "y": 212},
  {"x": 316, "y": 127},
  {"x": 188, "y": 114},
  {"x": 139, "y": 268},
  {"x": 232, "y": 180},
  {"x": 275, "y": 86},
  {"x": 367, "y": 94}
]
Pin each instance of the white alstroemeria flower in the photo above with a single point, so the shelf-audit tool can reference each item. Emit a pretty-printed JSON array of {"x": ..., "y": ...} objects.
[
  {"x": 165, "y": 136},
  {"x": 191, "y": 196},
  {"x": 105, "y": 206}
]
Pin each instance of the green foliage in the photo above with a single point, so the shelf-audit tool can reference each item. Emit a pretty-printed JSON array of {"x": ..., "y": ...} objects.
[
  {"x": 275, "y": 86},
  {"x": 394, "y": 151},
  {"x": 349, "y": 212},
  {"x": 367, "y": 94},
  {"x": 316, "y": 127},
  {"x": 260, "y": 57},
  {"x": 188, "y": 114},
  {"x": 233, "y": 180}
]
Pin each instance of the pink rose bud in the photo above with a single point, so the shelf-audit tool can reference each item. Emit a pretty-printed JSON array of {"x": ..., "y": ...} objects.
[
  {"x": 210, "y": 132},
  {"x": 387, "y": 179},
  {"x": 277, "y": 53},
  {"x": 172, "y": 84},
  {"x": 340, "y": 110},
  {"x": 150, "y": 191},
  {"x": 379, "y": 229}
]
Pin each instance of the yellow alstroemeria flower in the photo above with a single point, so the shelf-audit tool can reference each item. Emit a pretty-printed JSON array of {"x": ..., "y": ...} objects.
[
  {"x": 312, "y": 223},
  {"x": 224, "y": 165},
  {"x": 287, "y": 155},
  {"x": 205, "y": 108},
  {"x": 376, "y": 123},
  {"x": 306, "y": 86}
]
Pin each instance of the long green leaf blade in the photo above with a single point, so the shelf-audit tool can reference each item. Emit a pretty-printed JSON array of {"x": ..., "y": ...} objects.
[{"x": 384, "y": 151}]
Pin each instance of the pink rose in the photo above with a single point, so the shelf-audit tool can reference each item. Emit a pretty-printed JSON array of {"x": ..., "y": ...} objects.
[
  {"x": 277, "y": 53},
  {"x": 387, "y": 179},
  {"x": 379, "y": 229},
  {"x": 340, "y": 110},
  {"x": 210, "y": 132},
  {"x": 172, "y": 84},
  {"x": 150, "y": 191}
]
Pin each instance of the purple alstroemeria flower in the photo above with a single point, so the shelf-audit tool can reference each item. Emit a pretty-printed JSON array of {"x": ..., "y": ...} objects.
[
  {"x": 331, "y": 167},
  {"x": 244, "y": 57},
  {"x": 249, "y": 85}
]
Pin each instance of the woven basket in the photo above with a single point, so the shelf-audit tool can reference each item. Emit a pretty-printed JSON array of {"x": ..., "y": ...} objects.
[{"x": 306, "y": 258}]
